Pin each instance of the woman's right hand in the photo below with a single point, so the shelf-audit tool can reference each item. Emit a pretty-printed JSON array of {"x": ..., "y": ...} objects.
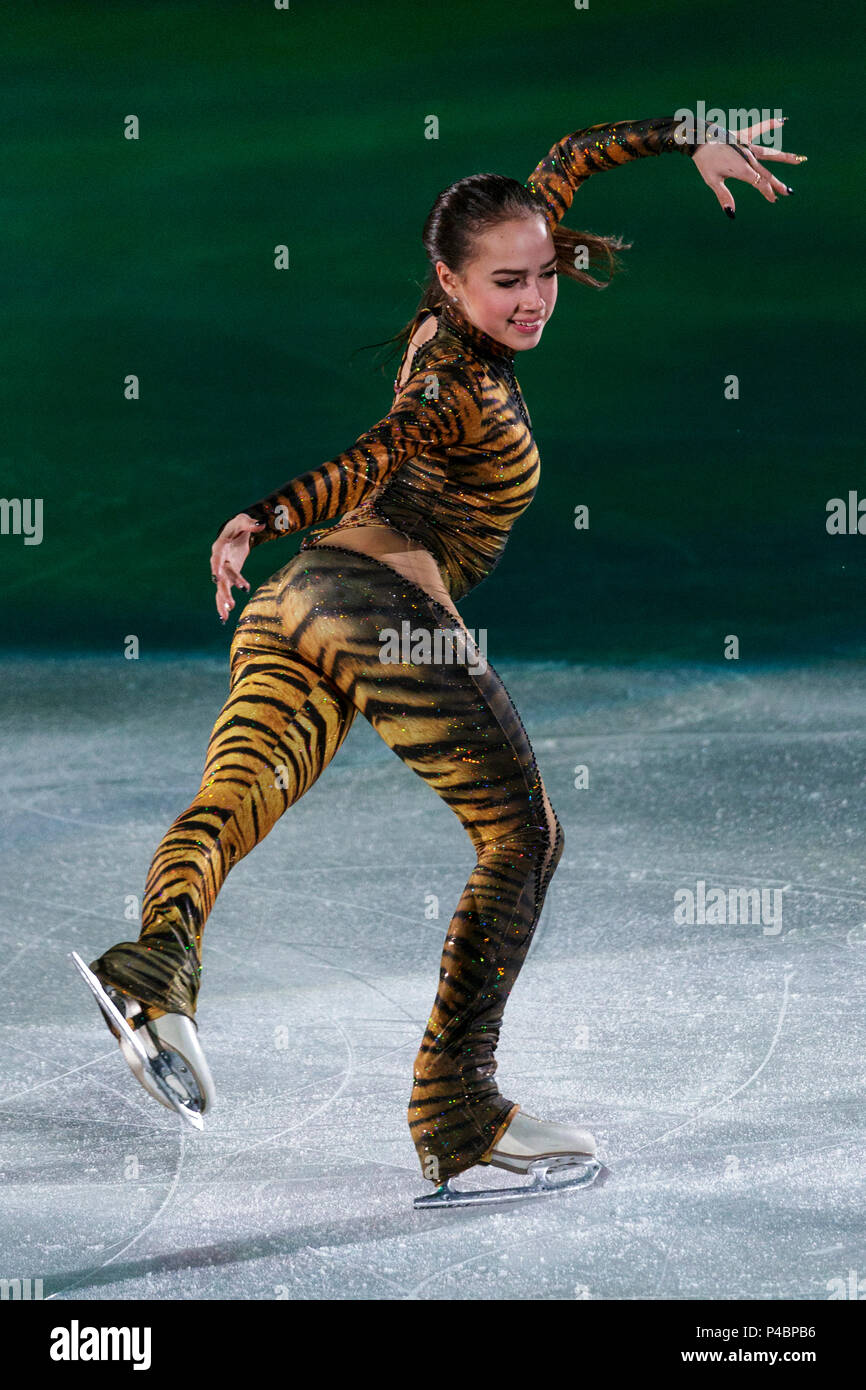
[{"x": 227, "y": 556}]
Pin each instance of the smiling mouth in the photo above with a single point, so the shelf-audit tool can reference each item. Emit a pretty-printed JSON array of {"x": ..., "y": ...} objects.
[{"x": 527, "y": 323}]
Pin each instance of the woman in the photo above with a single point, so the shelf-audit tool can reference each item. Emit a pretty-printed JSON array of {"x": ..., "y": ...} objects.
[{"x": 427, "y": 499}]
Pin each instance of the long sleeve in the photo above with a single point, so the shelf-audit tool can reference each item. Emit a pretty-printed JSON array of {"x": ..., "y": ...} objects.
[
  {"x": 576, "y": 157},
  {"x": 436, "y": 408}
]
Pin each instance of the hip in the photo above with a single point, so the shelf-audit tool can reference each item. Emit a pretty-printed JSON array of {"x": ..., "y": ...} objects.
[{"x": 409, "y": 558}]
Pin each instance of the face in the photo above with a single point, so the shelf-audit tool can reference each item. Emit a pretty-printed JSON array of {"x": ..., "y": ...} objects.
[{"x": 509, "y": 289}]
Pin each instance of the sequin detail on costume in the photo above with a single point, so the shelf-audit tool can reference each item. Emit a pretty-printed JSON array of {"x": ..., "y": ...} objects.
[
  {"x": 454, "y": 463},
  {"x": 305, "y": 660},
  {"x": 577, "y": 157},
  {"x": 452, "y": 466}
]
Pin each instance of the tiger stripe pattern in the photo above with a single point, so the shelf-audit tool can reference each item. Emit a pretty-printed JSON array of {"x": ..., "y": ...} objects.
[
  {"x": 305, "y": 658},
  {"x": 576, "y": 158},
  {"x": 454, "y": 463},
  {"x": 452, "y": 466}
]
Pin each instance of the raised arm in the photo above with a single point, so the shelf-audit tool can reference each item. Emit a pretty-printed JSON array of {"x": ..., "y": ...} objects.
[
  {"x": 717, "y": 153},
  {"x": 576, "y": 157},
  {"x": 433, "y": 409}
]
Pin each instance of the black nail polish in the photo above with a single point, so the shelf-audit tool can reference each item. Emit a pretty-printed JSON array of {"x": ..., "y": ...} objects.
[
  {"x": 730, "y": 212},
  {"x": 790, "y": 190}
]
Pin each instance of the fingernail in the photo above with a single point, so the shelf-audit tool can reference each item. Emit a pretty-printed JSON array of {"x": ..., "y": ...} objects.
[
  {"x": 801, "y": 158},
  {"x": 790, "y": 190},
  {"x": 730, "y": 212}
]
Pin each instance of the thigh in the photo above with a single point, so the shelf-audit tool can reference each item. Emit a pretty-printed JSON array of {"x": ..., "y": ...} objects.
[
  {"x": 283, "y": 720},
  {"x": 456, "y": 727}
]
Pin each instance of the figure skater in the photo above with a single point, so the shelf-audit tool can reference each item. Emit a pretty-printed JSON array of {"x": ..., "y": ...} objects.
[{"x": 427, "y": 498}]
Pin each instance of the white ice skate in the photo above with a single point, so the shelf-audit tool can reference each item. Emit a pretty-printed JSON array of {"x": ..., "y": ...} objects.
[
  {"x": 163, "y": 1054},
  {"x": 537, "y": 1148}
]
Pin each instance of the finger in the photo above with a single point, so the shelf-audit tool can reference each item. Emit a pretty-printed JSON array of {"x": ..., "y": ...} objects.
[
  {"x": 759, "y": 178},
  {"x": 770, "y": 179},
  {"x": 764, "y": 185},
  {"x": 759, "y": 129},
  {"x": 217, "y": 563},
  {"x": 745, "y": 152},
  {"x": 224, "y": 600},
  {"x": 725, "y": 197},
  {"x": 779, "y": 185},
  {"x": 767, "y": 152},
  {"x": 234, "y": 576}
]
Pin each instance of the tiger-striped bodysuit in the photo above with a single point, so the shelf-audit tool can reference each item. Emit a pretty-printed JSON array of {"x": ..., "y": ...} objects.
[
  {"x": 452, "y": 466},
  {"x": 453, "y": 463}
]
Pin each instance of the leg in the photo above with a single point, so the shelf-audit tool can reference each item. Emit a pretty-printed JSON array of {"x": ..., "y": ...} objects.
[
  {"x": 459, "y": 731},
  {"x": 280, "y": 727}
]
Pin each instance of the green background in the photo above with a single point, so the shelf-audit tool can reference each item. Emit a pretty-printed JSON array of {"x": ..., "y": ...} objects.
[{"x": 306, "y": 127}]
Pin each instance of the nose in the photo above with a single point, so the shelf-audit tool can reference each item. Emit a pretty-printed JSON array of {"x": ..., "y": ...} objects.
[{"x": 532, "y": 302}]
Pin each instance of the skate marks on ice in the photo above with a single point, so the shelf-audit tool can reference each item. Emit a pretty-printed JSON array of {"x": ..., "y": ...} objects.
[
  {"x": 279, "y": 1207},
  {"x": 319, "y": 1232},
  {"x": 90, "y": 1277},
  {"x": 99, "y": 1276},
  {"x": 206, "y": 1196},
  {"x": 707, "y": 1109},
  {"x": 96, "y": 1277}
]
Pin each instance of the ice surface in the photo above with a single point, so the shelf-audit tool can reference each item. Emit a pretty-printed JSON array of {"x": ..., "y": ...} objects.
[{"x": 720, "y": 1066}]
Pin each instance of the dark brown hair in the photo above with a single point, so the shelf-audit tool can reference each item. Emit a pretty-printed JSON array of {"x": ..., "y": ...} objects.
[{"x": 472, "y": 206}]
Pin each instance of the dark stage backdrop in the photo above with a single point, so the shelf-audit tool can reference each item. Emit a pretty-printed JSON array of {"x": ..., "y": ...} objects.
[{"x": 306, "y": 126}]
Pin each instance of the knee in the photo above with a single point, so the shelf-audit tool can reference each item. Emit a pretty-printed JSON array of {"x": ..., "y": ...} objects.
[
  {"x": 557, "y": 841},
  {"x": 538, "y": 838}
]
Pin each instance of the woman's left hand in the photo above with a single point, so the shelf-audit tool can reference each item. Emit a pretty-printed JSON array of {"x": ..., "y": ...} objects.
[
  {"x": 735, "y": 157},
  {"x": 227, "y": 556}
]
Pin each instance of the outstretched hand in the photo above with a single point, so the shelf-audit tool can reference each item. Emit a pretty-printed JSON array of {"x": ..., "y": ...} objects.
[
  {"x": 726, "y": 155},
  {"x": 227, "y": 556}
]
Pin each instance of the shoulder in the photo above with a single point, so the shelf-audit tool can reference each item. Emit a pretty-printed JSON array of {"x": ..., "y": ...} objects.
[
  {"x": 424, "y": 330},
  {"x": 441, "y": 357},
  {"x": 455, "y": 373},
  {"x": 427, "y": 329},
  {"x": 441, "y": 351}
]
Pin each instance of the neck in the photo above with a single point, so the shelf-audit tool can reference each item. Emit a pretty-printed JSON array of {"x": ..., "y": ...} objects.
[{"x": 463, "y": 328}]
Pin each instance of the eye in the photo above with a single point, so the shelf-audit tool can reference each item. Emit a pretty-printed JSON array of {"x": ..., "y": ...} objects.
[{"x": 509, "y": 284}]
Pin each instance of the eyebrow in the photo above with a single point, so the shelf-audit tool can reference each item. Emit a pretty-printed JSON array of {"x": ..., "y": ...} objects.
[{"x": 503, "y": 271}]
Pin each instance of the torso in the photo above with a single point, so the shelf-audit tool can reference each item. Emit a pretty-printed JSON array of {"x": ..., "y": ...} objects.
[
  {"x": 383, "y": 536},
  {"x": 408, "y": 558}
]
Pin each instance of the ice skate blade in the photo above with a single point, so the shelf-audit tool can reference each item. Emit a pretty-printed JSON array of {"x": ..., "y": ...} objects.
[
  {"x": 541, "y": 1186},
  {"x": 133, "y": 1050}
]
